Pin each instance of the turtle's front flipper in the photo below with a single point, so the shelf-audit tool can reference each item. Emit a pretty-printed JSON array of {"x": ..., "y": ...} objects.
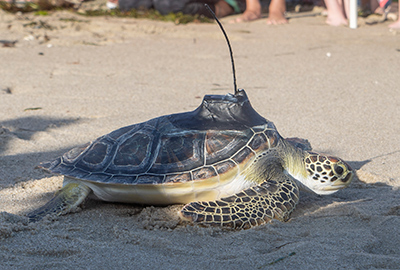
[
  {"x": 254, "y": 206},
  {"x": 67, "y": 198}
]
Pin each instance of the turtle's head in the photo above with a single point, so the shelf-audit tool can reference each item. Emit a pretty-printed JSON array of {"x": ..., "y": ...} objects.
[{"x": 326, "y": 174}]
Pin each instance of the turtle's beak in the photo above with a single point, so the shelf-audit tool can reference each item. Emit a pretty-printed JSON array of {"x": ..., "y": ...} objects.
[
  {"x": 344, "y": 182},
  {"x": 341, "y": 183}
]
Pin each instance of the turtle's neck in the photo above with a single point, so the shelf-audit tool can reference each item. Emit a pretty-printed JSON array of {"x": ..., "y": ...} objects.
[{"x": 293, "y": 158}]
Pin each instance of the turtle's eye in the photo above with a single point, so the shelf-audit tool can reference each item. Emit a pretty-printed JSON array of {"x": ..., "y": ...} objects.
[{"x": 338, "y": 169}]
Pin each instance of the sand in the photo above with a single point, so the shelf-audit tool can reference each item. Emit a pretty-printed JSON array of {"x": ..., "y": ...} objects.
[{"x": 70, "y": 79}]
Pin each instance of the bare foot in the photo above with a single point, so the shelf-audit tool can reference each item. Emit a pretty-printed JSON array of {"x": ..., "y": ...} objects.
[
  {"x": 395, "y": 24},
  {"x": 276, "y": 18},
  {"x": 247, "y": 16},
  {"x": 277, "y": 9},
  {"x": 336, "y": 14},
  {"x": 336, "y": 20},
  {"x": 252, "y": 12}
]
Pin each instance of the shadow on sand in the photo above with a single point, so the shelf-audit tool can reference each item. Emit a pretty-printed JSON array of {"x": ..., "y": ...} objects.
[{"x": 25, "y": 128}]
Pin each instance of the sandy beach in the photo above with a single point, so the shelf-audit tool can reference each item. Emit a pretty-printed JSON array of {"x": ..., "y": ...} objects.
[{"x": 70, "y": 79}]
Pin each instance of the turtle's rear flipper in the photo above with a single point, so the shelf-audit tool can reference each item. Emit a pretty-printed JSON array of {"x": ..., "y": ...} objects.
[
  {"x": 275, "y": 198},
  {"x": 67, "y": 198}
]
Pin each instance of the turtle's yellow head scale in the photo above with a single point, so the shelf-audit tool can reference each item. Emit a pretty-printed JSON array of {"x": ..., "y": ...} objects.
[{"x": 326, "y": 174}]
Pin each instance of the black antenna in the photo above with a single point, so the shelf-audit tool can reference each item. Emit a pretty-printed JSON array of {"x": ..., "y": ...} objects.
[{"x": 230, "y": 49}]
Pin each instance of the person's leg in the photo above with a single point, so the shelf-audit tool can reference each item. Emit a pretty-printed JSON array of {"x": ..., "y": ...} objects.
[
  {"x": 251, "y": 13},
  {"x": 346, "y": 7},
  {"x": 277, "y": 9},
  {"x": 336, "y": 14},
  {"x": 223, "y": 9},
  {"x": 374, "y": 5}
]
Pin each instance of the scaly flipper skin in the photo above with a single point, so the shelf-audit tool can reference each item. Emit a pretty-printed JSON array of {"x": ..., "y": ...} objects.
[
  {"x": 66, "y": 199},
  {"x": 254, "y": 206}
]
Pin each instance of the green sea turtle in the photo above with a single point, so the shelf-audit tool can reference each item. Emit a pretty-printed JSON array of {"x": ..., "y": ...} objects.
[{"x": 228, "y": 164}]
